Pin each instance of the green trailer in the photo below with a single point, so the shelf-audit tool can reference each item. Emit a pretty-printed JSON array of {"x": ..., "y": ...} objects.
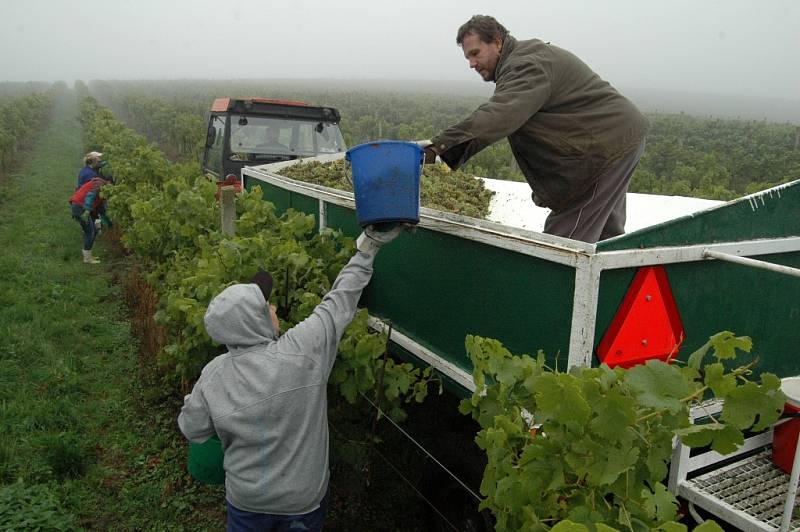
[{"x": 656, "y": 292}]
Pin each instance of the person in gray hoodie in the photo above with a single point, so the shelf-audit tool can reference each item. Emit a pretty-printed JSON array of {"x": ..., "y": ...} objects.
[{"x": 266, "y": 398}]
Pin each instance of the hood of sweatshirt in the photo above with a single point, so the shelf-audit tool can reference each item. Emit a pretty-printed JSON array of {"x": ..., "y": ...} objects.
[{"x": 238, "y": 317}]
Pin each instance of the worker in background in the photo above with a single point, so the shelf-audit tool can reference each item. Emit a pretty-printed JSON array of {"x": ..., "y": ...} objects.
[
  {"x": 86, "y": 206},
  {"x": 93, "y": 164},
  {"x": 575, "y": 138},
  {"x": 266, "y": 398}
]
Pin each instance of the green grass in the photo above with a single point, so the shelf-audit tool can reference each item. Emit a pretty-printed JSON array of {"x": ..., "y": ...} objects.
[{"x": 80, "y": 448}]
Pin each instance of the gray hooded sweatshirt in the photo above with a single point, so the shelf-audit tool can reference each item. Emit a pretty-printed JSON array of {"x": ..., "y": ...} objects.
[{"x": 266, "y": 398}]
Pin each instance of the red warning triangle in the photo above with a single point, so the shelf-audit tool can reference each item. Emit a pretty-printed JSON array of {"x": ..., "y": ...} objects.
[{"x": 647, "y": 324}]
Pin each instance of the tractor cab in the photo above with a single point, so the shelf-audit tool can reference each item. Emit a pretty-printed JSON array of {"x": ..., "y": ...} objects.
[{"x": 254, "y": 131}]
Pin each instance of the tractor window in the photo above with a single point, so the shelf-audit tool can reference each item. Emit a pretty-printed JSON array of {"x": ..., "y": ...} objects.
[
  {"x": 215, "y": 140},
  {"x": 262, "y": 138}
]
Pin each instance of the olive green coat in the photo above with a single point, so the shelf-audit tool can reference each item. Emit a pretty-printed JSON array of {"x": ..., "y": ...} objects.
[{"x": 566, "y": 126}]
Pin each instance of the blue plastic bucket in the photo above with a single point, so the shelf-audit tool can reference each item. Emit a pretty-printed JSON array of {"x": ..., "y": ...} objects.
[{"x": 386, "y": 181}]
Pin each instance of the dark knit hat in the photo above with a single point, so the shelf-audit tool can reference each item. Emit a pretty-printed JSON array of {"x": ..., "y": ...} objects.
[{"x": 264, "y": 282}]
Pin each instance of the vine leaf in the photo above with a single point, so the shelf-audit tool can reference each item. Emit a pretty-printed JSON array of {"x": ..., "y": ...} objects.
[
  {"x": 349, "y": 389},
  {"x": 583, "y": 514},
  {"x": 558, "y": 397},
  {"x": 722, "y": 438},
  {"x": 660, "y": 503},
  {"x": 719, "y": 382},
  {"x": 725, "y": 344},
  {"x": 658, "y": 457},
  {"x": 658, "y": 385},
  {"x": 536, "y": 461},
  {"x": 614, "y": 413},
  {"x": 509, "y": 370},
  {"x": 609, "y": 466},
  {"x": 748, "y": 404}
]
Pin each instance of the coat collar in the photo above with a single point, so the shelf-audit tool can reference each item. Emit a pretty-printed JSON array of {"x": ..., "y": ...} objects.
[{"x": 509, "y": 43}]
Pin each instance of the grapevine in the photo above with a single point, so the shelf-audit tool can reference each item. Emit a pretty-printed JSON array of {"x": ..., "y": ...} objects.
[
  {"x": 592, "y": 445},
  {"x": 19, "y": 119}
]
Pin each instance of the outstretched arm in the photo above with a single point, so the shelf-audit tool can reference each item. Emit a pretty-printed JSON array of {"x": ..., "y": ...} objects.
[{"x": 321, "y": 332}]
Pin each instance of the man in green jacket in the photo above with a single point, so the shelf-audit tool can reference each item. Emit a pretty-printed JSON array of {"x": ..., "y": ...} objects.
[{"x": 576, "y": 139}]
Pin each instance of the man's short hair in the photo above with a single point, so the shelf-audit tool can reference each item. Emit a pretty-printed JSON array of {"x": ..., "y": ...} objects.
[{"x": 484, "y": 26}]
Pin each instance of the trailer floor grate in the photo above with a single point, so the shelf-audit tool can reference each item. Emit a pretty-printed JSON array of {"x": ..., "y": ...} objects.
[{"x": 754, "y": 486}]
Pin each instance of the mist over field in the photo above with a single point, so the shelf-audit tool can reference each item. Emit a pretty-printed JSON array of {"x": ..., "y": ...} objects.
[
  {"x": 677, "y": 55},
  {"x": 717, "y": 105}
]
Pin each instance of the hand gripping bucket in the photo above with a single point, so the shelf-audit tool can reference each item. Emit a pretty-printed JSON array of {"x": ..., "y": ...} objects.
[
  {"x": 386, "y": 181},
  {"x": 205, "y": 461},
  {"x": 784, "y": 439}
]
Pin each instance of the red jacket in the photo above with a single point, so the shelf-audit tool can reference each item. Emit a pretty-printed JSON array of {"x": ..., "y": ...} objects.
[{"x": 88, "y": 195}]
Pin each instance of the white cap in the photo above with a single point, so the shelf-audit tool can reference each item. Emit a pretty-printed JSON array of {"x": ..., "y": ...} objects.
[{"x": 92, "y": 156}]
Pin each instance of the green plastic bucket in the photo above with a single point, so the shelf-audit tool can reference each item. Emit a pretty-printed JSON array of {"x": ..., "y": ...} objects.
[{"x": 205, "y": 461}]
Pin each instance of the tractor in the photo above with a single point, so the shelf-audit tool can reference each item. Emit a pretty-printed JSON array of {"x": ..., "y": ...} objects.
[{"x": 256, "y": 131}]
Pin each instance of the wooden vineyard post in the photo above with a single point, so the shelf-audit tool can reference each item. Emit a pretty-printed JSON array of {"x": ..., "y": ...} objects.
[{"x": 228, "y": 210}]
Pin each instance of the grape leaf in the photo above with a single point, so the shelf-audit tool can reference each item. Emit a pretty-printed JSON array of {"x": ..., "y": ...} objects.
[
  {"x": 658, "y": 454},
  {"x": 396, "y": 383},
  {"x": 726, "y": 343},
  {"x": 658, "y": 385},
  {"x": 660, "y": 503},
  {"x": 614, "y": 413},
  {"x": 558, "y": 398},
  {"x": 609, "y": 466},
  {"x": 349, "y": 389},
  {"x": 748, "y": 406},
  {"x": 510, "y": 370},
  {"x": 536, "y": 461},
  {"x": 719, "y": 382},
  {"x": 608, "y": 377},
  {"x": 723, "y": 438},
  {"x": 582, "y": 512},
  {"x": 511, "y": 428}
]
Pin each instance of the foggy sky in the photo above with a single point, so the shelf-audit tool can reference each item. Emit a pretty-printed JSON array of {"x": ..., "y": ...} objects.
[{"x": 742, "y": 47}]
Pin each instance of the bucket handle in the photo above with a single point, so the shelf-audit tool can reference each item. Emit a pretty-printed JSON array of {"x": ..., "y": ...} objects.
[{"x": 348, "y": 174}]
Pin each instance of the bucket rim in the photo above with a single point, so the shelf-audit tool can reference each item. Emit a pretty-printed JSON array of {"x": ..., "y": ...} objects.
[{"x": 376, "y": 143}]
